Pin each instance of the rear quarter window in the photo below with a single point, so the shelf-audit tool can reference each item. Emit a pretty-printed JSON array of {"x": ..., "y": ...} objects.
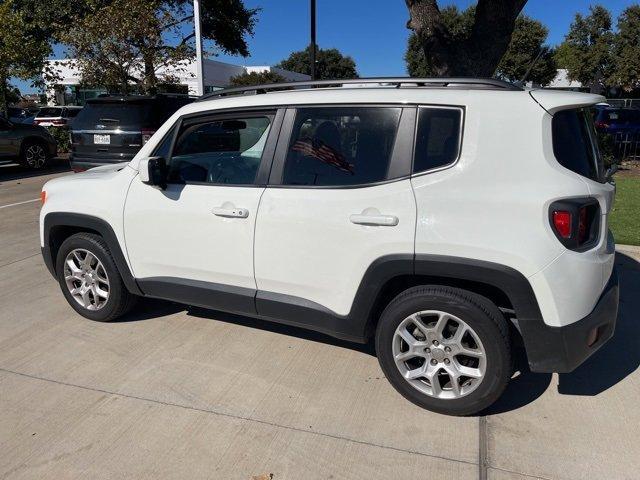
[
  {"x": 574, "y": 143},
  {"x": 437, "y": 138}
]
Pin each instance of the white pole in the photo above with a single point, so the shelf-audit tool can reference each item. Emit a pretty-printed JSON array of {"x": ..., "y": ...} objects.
[{"x": 199, "y": 67}]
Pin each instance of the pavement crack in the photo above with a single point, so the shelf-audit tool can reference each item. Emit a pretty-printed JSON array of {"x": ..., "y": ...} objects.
[
  {"x": 482, "y": 447},
  {"x": 20, "y": 260},
  {"x": 239, "y": 417}
]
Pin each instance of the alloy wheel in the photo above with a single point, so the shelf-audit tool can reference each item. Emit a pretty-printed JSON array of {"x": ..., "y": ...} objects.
[
  {"x": 35, "y": 156},
  {"x": 439, "y": 354},
  {"x": 86, "y": 279}
]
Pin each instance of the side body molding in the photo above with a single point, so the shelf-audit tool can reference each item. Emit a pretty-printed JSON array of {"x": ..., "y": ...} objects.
[{"x": 61, "y": 220}]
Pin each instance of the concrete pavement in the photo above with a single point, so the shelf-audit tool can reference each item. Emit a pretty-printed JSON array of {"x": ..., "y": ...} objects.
[{"x": 175, "y": 392}]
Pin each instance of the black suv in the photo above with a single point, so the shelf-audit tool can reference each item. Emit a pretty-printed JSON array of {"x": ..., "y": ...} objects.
[{"x": 112, "y": 129}]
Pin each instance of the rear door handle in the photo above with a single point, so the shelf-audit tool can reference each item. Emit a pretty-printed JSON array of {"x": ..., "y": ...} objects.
[
  {"x": 379, "y": 220},
  {"x": 231, "y": 212}
]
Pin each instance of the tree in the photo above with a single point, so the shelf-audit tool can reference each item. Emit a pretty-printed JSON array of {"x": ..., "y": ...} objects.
[
  {"x": 330, "y": 64},
  {"x": 587, "y": 51},
  {"x": 526, "y": 43},
  {"x": 256, "y": 78},
  {"x": 527, "y": 58},
  {"x": 458, "y": 24},
  {"x": 476, "y": 53},
  {"x": 626, "y": 71},
  {"x": 129, "y": 45},
  {"x": 21, "y": 55}
]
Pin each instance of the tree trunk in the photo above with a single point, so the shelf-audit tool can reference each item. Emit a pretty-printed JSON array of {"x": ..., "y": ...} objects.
[
  {"x": 150, "y": 81},
  {"x": 4, "y": 104},
  {"x": 476, "y": 56}
]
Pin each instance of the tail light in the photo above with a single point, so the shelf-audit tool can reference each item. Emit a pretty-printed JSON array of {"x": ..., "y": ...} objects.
[
  {"x": 59, "y": 122},
  {"x": 602, "y": 125},
  {"x": 43, "y": 197},
  {"x": 146, "y": 135},
  {"x": 576, "y": 222}
]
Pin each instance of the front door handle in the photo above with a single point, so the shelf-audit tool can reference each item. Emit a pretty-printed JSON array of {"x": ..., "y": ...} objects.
[
  {"x": 379, "y": 220},
  {"x": 231, "y": 212}
]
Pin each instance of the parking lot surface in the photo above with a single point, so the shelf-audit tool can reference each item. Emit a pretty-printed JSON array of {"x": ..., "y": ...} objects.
[{"x": 178, "y": 392}]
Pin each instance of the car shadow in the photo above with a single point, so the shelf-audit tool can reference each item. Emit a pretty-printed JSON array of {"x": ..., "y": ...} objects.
[
  {"x": 620, "y": 356},
  {"x": 281, "y": 329},
  {"x": 13, "y": 171},
  {"x": 616, "y": 360}
]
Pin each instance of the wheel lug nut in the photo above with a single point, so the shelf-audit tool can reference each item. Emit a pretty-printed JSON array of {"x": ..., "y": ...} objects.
[
  {"x": 427, "y": 350},
  {"x": 435, "y": 342},
  {"x": 447, "y": 349},
  {"x": 446, "y": 361},
  {"x": 434, "y": 361}
]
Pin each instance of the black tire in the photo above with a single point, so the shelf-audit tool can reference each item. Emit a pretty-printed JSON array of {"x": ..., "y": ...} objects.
[
  {"x": 120, "y": 300},
  {"x": 477, "y": 312},
  {"x": 34, "y": 155}
]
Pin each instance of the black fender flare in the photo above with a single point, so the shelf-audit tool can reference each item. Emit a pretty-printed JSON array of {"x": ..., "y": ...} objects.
[{"x": 81, "y": 221}]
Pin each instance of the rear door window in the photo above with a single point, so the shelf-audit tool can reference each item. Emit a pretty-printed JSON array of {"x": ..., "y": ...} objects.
[
  {"x": 574, "y": 143},
  {"x": 339, "y": 146},
  {"x": 437, "y": 138}
]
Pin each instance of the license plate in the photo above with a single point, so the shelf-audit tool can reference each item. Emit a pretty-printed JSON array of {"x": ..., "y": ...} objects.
[{"x": 102, "y": 139}]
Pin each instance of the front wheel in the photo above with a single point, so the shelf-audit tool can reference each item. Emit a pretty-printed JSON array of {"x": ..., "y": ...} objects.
[
  {"x": 445, "y": 349},
  {"x": 90, "y": 280}
]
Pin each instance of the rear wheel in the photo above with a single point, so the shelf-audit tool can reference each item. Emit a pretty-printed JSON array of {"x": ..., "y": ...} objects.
[
  {"x": 33, "y": 155},
  {"x": 444, "y": 349},
  {"x": 90, "y": 280}
]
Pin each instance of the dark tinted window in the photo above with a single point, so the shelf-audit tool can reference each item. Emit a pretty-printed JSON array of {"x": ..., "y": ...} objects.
[
  {"x": 114, "y": 115},
  {"x": 225, "y": 151},
  {"x": 162, "y": 150},
  {"x": 341, "y": 145},
  {"x": 574, "y": 142},
  {"x": 437, "y": 139},
  {"x": 49, "y": 112},
  {"x": 73, "y": 112}
]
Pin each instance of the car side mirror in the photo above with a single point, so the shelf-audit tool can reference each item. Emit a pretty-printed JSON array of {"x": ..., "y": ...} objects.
[{"x": 153, "y": 171}]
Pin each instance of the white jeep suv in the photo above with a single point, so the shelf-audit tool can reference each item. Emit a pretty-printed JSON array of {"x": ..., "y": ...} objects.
[{"x": 444, "y": 218}]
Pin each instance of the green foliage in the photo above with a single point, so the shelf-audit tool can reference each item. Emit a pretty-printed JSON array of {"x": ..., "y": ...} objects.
[
  {"x": 330, "y": 64},
  {"x": 624, "y": 220},
  {"x": 459, "y": 25},
  {"x": 61, "y": 135},
  {"x": 21, "y": 54},
  {"x": 626, "y": 71},
  {"x": 256, "y": 78},
  {"x": 526, "y": 42},
  {"x": 125, "y": 45},
  {"x": 587, "y": 51}
]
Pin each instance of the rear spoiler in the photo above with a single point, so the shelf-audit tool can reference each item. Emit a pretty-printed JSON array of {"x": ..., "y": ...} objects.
[{"x": 555, "y": 100}]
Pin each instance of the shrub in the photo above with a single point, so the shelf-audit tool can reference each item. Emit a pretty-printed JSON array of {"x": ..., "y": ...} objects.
[{"x": 61, "y": 135}]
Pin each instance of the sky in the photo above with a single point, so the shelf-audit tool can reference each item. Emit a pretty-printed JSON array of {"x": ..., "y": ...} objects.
[{"x": 373, "y": 32}]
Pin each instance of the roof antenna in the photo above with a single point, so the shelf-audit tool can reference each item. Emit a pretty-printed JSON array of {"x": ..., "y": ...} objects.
[{"x": 533, "y": 64}]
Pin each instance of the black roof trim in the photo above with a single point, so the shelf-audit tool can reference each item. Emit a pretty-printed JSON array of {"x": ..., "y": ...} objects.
[{"x": 397, "y": 82}]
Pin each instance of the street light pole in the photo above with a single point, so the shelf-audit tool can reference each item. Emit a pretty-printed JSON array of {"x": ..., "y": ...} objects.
[
  {"x": 313, "y": 39},
  {"x": 199, "y": 60}
]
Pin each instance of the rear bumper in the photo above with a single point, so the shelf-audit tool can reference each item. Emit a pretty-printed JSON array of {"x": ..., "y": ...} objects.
[
  {"x": 80, "y": 162},
  {"x": 562, "y": 349}
]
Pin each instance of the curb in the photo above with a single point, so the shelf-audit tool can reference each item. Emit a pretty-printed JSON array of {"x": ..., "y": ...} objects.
[{"x": 628, "y": 249}]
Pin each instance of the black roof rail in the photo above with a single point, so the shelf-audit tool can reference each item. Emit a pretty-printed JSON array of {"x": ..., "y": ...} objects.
[{"x": 397, "y": 82}]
